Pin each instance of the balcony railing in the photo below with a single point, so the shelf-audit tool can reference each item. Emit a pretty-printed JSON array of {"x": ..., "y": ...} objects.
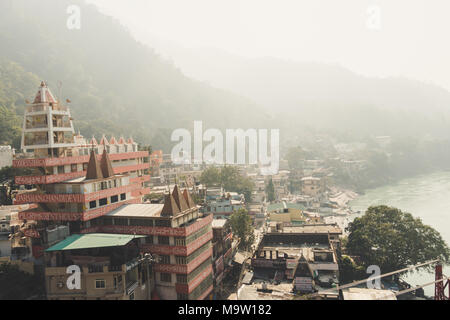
[{"x": 95, "y": 269}]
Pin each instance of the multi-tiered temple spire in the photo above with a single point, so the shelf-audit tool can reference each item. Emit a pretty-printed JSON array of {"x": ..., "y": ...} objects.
[{"x": 47, "y": 126}]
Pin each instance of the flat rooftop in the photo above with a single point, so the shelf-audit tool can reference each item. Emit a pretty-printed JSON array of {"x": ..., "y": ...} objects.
[
  {"x": 311, "y": 229},
  {"x": 138, "y": 210},
  {"x": 368, "y": 294},
  {"x": 219, "y": 223}
]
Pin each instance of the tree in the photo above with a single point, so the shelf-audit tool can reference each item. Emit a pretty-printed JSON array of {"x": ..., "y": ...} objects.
[
  {"x": 18, "y": 285},
  {"x": 148, "y": 148},
  {"x": 392, "y": 239},
  {"x": 242, "y": 227},
  {"x": 211, "y": 176},
  {"x": 295, "y": 157},
  {"x": 270, "y": 191},
  {"x": 349, "y": 271},
  {"x": 230, "y": 179}
]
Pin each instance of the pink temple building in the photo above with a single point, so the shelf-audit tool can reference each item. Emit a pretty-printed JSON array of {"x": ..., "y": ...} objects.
[{"x": 60, "y": 160}]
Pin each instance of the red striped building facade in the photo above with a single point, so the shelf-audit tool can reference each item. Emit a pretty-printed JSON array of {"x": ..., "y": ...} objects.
[
  {"x": 58, "y": 159},
  {"x": 90, "y": 186}
]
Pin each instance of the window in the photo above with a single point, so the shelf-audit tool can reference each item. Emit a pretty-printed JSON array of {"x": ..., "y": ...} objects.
[
  {"x": 181, "y": 278},
  {"x": 164, "y": 259},
  {"x": 114, "y": 199},
  {"x": 149, "y": 240},
  {"x": 123, "y": 196},
  {"x": 92, "y": 204},
  {"x": 181, "y": 260},
  {"x": 182, "y": 296},
  {"x": 166, "y": 277},
  {"x": 120, "y": 221},
  {"x": 100, "y": 284},
  {"x": 180, "y": 241},
  {"x": 162, "y": 223},
  {"x": 73, "y": 167},
  {"x": 60, "y": 169},
  {"x": 163, "y": 240},
  {"x": 103, "y": 202}
]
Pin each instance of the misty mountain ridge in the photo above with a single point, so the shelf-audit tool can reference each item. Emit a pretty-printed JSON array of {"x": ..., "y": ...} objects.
[
  {"x": 116, "y": 85},
  {"x": 324, "y": 95},
  {"x": 121, "y": 86}
]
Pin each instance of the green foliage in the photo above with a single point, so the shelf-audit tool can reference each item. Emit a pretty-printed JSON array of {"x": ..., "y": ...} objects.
[
  {"x": 211, "y": 177},
  {"x": 15, "y": 86},
  {"x": 349, "y": 271},
  {"x": 295, "y": 157},
  {"x": 229, "y": 178},
  {"x": 242, "y": 227},
  {"x": 117, "y": 85},
  {"x": 270, "y": 191},
  {"x": 18, "y": 285},
  {"x": 8, "y": 173},
  {"x": 392, "y": 239},
  {"x": 145, "y": 148}
]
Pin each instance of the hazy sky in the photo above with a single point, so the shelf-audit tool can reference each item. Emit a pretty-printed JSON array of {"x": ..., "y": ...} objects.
[{"x": 374, "y": 37}]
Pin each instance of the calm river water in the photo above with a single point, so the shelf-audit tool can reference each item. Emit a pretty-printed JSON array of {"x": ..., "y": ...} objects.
[{"x": 425, "y": 196}]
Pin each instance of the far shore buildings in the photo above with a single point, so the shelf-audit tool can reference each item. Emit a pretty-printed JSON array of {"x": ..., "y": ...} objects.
[{"x": 312, "y": 186}]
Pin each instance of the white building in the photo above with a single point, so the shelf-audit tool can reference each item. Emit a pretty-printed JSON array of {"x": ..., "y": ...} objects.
[{"x": 6, "y": 156}]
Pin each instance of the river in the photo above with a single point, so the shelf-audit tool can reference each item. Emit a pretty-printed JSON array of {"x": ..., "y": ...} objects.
[{"x": 424, "y": 196}]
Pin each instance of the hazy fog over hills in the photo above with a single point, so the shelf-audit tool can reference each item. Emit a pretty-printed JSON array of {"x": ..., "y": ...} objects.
[
  {"x": 311, "y": 64},
  {"x": 116, "y": 85},
  {"x": 149, "y": 87},
  {"x": 320, "y": 95}
]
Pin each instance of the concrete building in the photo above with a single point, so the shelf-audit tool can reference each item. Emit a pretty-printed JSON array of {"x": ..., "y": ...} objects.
[
  {"x": 179, "y": 238},
  {"x": 156, "y": 158},
  {"x": 111, "y": 268},
  {"x": 55, "y": 153},
  {"x": 312, "y": 186},
  {"x": 299, "y": 259},
  {"x": 6, "y": 156},
  {"x": 223, "y": 207},
  {"x": 76, "y": 181},
  {"x": 222, "y": 251},
  {"x": 286, "y": 213}
]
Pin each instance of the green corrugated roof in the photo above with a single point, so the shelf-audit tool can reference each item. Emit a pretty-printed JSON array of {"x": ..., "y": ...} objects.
[
  {"x": 93, "y": 240},
  {"x": 275, "y": 206}
]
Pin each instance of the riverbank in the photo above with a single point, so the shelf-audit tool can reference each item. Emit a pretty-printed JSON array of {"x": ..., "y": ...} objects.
[{"x": 425, "y": 196}]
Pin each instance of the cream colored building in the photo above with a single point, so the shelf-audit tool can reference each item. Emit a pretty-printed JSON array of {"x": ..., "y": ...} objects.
[{"x": 110, "y": 268}]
